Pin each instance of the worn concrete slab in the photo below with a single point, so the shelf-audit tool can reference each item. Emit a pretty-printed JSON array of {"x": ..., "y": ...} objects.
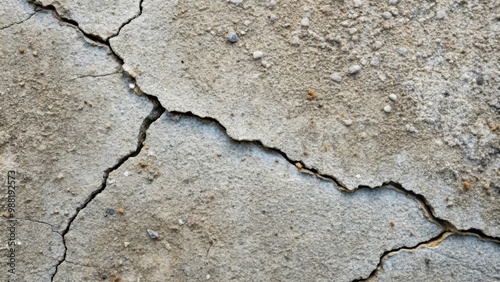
[
  {"x": 38, "y": 249},
  {"x": 102, "y": 19},
  {"x": 365, "y": 91},
  {"x": 457, "y": 258},
  {"x": 232, "y": 211},
  {"x": 67, "y": 116}
]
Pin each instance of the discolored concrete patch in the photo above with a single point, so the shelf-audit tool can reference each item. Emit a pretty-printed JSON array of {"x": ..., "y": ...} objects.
[
  {"x": 464, "y": 258},
  {"x": 232, "y": 211}
]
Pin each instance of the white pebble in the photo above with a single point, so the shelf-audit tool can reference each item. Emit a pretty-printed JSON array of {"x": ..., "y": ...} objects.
[
  {"x": 265, "y": 64},
  {"x": 354, "y": 69},
  {"x": 126, "y": 173},
  {"x": 386, "y": 15},
  {"x": 336, "y": 77},
  {"x": 387, "y": 109},
  {"x": 131, "y": 86},
  {"x": 402, "y": 51},
  {"x": 347, "y": 122},
  {"x": 305, "y": 22},
  {"x": 441, "y": 14},
  {"x": 393, "y": 2},
  {"x": 236, "y": 1},
  {"x": 378, "y": 45},
  {"x": 375, "y": 61},
  {"x": 258, "y": 54},
  {"x": 358, "y": 3},
  {"x": 393, "y": 97}
]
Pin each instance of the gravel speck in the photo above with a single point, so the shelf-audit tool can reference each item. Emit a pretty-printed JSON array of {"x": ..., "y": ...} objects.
[
  {"x": 258, "y": 54},
  {"x": 393, "y": 97},
  {"x": 393, "y": 2},
  {"x": 402, "y": 51},
  {"x": 441, "y": 14},
  {"x": 354, "y": 69},
  {"x": 233, "y": 37},
  {"x": 387, "y": 109},
  {"x": 386, "y": 15},
  {"x": 153, "y": 234},
  {"x": 347, "y": 122},
  {"x": 336, "y": 77},
  {"x": 305, "y": 22},
  {"x": 375, "y": 61},
  {"x": 378, "y": 45}
]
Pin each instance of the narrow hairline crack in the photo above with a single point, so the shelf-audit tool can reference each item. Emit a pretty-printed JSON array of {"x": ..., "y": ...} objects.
[
  {"x": 446, "y": 226},
  {"x": 19, "y": 22}
]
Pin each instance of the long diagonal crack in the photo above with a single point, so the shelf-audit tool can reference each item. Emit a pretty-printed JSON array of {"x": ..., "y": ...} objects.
[
  {"x": 152, "y": 117},
  {"x": 447, "y": 227}
]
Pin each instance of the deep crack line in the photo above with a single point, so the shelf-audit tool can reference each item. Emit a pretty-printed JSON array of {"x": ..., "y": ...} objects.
[
  {"x": 448, "y": 228},
  {"x": 146, "y": 123},
  {"x": 420, "y": 199}
]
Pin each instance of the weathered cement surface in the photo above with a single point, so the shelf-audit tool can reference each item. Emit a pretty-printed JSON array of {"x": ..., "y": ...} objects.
[
  {"x": 458, "y": 258},
  {"x": 38, "y": 250},
  {"x": 103, "y": 18},
  {"x": 439, "y": 59},
  {"x": 13, "y": 12},
  {"x": 234, "y": 212},
  {"x": 67, "y": 115}
]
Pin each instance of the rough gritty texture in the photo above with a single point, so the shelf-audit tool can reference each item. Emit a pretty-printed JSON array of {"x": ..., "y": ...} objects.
[
  {"x": 38, "y": 250},
  {"x": 365, "y": 91},
  {"x": 439, "y": 59},
  {"x": 458, "y": 258},
  {"x": 102, "y": 18},
  {"x": 67, "y": 115},
  {"x": 247, "y": 215},
  {"x": 14, "y": 12}
]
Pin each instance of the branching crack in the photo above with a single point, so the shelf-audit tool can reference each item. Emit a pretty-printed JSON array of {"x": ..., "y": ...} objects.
[
  {"x": 447, "y": 227},
  {"x": 153, "y": 116}
]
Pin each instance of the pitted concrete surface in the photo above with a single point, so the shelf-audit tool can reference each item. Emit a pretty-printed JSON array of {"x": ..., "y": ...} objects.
[{"x": 298, "y": 140}]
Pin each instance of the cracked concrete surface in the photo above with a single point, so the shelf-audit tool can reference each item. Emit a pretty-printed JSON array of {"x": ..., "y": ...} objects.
[
  {"x": 103, "y": 19},
  {"x": 457, "y": 258},
  {"x": 439, "y": 134},
  {"x": 235, "y": 212},
  {"x": 83, "y": 82}
]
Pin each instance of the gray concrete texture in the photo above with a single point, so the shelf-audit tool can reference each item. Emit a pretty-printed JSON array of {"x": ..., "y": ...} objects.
[{"x": 298, "y": 140}]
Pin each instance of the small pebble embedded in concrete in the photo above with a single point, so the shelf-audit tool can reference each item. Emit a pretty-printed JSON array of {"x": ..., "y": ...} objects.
[
  {"x": 348, "y": 122},
  {"x": 393, "y": 2},
  {"x": 233, "y": 38},
  {"x": 131, "y": 86},
  {"x": 110, "y": 211},
  {"x": 354, "y": 69},
  {"x": 387, "y": 109},
  {"x": 441, "y": 14},
  {"x": 402, "y": 51},
  {"x": 153, "y": 234},
  {"x": 393, "y": 97},
  {"x": 305, "y": 22},
  {"x": 386, "y": 15},
  {"x": 258, "y": 55},
  {"x": 336, "y": 77}
]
